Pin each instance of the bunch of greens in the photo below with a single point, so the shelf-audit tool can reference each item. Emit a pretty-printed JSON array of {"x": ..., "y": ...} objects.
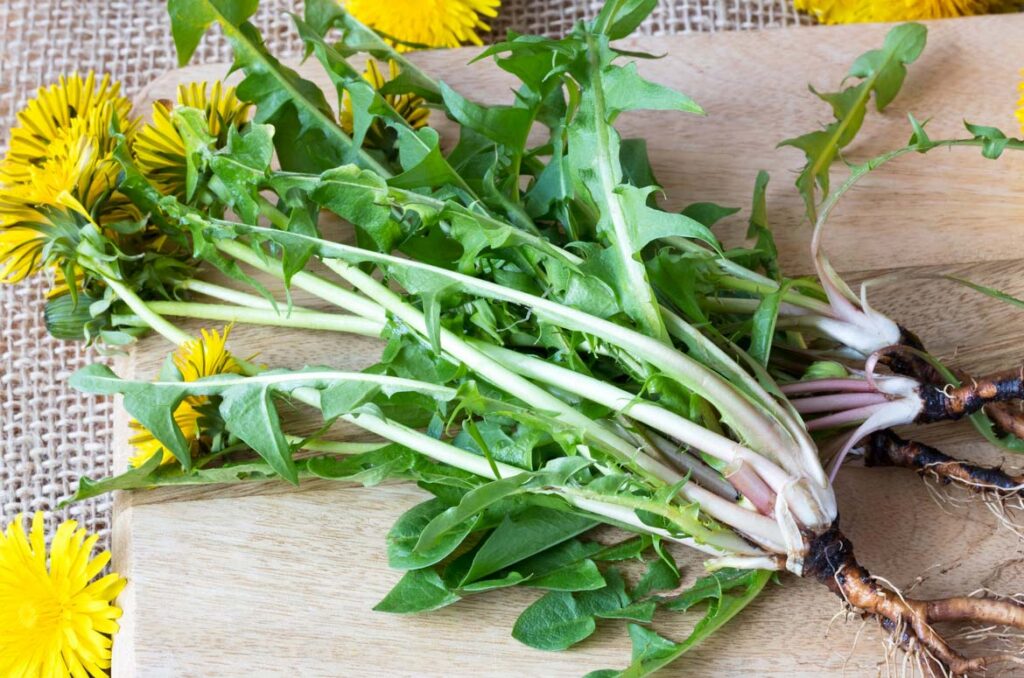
[{"x": 547, "y": 365}]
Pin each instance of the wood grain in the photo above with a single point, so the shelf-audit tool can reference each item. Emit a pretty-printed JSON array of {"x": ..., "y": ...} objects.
[{"x": 268, "y": 580}]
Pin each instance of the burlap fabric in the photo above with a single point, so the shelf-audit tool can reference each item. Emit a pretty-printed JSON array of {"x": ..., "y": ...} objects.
[{"x": 50, "y": 435}]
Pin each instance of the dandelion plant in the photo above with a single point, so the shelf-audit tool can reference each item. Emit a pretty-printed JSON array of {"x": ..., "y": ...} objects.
[{"x": 539, "y": 373}]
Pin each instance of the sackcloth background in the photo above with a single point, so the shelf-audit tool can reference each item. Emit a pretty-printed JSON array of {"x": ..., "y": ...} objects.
[{"x": 49, "y": 434}]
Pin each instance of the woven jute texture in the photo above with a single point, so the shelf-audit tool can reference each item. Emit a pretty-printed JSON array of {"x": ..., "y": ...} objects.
[{"x": 50, "y": 435}]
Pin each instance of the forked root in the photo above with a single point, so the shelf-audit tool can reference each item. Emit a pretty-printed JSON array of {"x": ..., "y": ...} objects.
[
  {"x": 885, "y": 448},
  {"x": 1007, "y": 416},
  {"x": 830, "y": 560}
]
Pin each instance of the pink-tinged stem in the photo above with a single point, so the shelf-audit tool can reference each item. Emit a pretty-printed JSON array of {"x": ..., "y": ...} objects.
[
  {"x": 749, "y": 484},
  {"x": 842, "y": 401},
  {"x": 839, "y": 418},
  {"x": 847, "y": 385}
]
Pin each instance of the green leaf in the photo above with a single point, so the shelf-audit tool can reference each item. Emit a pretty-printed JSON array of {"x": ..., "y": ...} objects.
[
  {"x": 636, "y": 166},
  {"x": 651, "y": 652},
  {"x": 759, "y": 230},
  {"x": 627, "y": 91},
  {"x": 344, "y": 397},
  {"x": 882, "y": 72},
  {"x": 505, "y": 125},
  {"x": 190, "y": 19},
  {"x": 242, "y": 166},
  {"x": 249, "y": 413},
  {"x": 648, "y": 225},
  {"x": 422, "y": 161},
  {"x": 903, "y": 45},
  {"x": 582, "y": 575},
  {"x": 994, "y": 140},
  {"x": 660, "y": 575},
  {"x": 522, "y": 535},
  {"x": 825, "y": 369},
  {"x": 129, "y": 480},
  {"x": 708, "y": 213},
  {"x": 404, "y": 536},
  {"x": 417, "y": 591},
  {"x": 763, "y": 325},
  {"x": 711, "y": 587},
  {"x": 358, "y": 196},
  {"x": 307, "y": 136},
  {"x": 323, "y": 15},
  {"x": 555, "y": 621},
  {"x": 619, "y": 18},
  {"x": 369, "y": 468},
  {"x": 295, "y": 257}
]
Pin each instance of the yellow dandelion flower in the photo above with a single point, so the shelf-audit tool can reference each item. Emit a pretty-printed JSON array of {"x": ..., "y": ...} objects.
[
  {"x": 56, "y": 617},
  {"x": 195, "y": 359},
  {"x": 159, "y": 148},
  {"x": 55, "y": 109},
  {"x": 60, "y": 156},
  {"x": 859, "y": 11},
  {"x": 411, "y": 107},
  {"x": 63, "y": 143},
  {"x": 433, "y": 23},
  {"x": 1020, "y": 103}
]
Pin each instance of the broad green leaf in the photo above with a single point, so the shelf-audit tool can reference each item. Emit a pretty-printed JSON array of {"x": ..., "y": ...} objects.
[
  {"x": 763, "y": 325},
  {"x": 404, "y": 536},
  {"x": 555, "y": 621},
  {"x": 249, "y": 413},
  {"x": 417, "y": 591},
  {"x": 903, "y": 45},
  {"x": 344, "y": 397},
  {"x": 358, "y": 196},
  {"x": 648, "y": 225},
  {"x": 424, "y": 165},
  {"x": 627, "y": 91},
  {"x": 505, "y": 125},
  {"x": 522, "y": 535},
  {"x": 295, "y": 258}
]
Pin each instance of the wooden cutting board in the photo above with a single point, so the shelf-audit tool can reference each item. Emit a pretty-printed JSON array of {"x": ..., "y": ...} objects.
[{"x": 270, "y": 580}]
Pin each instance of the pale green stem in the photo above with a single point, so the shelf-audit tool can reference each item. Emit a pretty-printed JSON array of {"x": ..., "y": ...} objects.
[
  {"x": 300, "y": 319},
  {"x": 334, "y": 446},
  {"x": 495, "y": 373},
  {"x": 756, "y": 428},
  {"x": 638, "y": 408},
  {"x": 232, "y": 295},
  {"x": 309, "y": 282},
  {"x": 141, "y": 309}
]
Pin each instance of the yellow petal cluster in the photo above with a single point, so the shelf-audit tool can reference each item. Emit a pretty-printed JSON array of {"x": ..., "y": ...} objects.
[
  {"x": 861, "y": 11},
  {"x": 56, "y": 614},
  {"x": 428, "y": 23},
  {"x": 60, "y": 158}
]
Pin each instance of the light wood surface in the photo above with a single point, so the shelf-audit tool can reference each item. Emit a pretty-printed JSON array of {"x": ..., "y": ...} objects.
[{"x": 270, "y": 580}]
